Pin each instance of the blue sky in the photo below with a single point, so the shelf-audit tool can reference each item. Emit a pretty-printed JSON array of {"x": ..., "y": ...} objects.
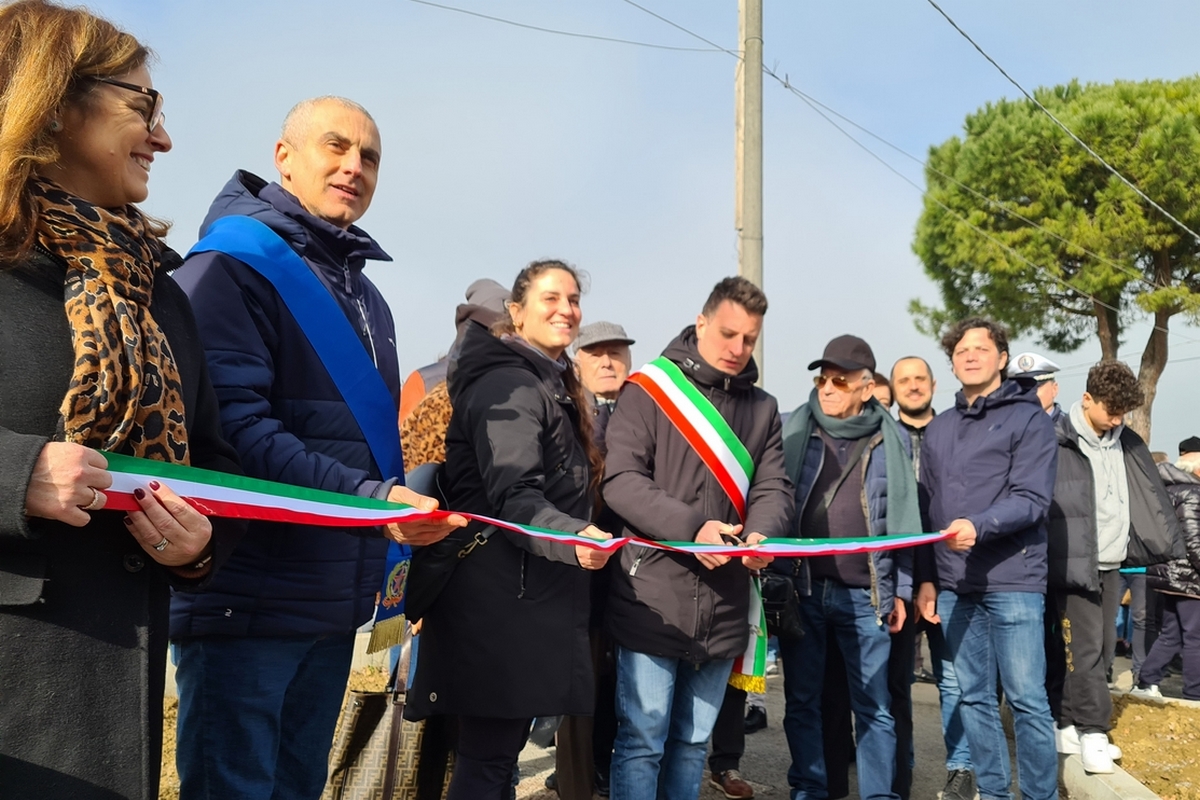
[{"x": 502, "y": 145}]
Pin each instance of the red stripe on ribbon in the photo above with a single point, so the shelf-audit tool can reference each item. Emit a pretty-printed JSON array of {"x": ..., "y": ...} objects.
[{"x": 693, "y": 437}]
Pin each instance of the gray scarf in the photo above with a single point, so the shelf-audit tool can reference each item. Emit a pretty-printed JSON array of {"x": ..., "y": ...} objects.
[{"x": 903, "y": 510}]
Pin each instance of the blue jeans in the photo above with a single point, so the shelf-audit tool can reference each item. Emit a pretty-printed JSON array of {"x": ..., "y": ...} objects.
[
  {"x": 666, "y": 709},
  {"x": 1003, "y": 631},
  {"x": 958, "y": 753},
  {"x": 256, "y": 715},
  {"x": 865, "y": 644}
]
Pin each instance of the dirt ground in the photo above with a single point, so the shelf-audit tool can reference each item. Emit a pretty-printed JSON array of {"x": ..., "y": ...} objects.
[{"x": 1161, "y": 745}]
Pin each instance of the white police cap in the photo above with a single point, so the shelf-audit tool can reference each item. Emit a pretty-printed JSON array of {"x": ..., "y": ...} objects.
[{"x": 1034, "y": 365}]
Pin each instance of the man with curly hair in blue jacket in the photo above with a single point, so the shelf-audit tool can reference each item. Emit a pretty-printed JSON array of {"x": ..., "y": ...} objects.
[{"x": 987, "y": 478}]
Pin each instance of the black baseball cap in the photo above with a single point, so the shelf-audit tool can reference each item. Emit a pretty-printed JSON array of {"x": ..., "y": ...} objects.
[
  {"x": 846, "y": 352},
  {"x": 1190, "y": 445}
]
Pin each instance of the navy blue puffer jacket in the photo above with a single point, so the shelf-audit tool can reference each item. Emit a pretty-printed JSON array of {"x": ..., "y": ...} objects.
[{"x": 286, "y": 418}]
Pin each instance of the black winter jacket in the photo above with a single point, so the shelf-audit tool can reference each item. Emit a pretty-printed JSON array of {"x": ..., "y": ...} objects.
[
  {"x": 288, "y": 422},
  {"x": 1071, "y": 539},
  {"x": 668, "y": 604},
  {"x": 1181, "y": 575},
  {"x": 508, "y": 635},
  {"x": 83, "y": 611}
]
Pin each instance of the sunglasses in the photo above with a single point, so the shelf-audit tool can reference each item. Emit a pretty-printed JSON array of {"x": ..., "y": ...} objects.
[
  {"x": 839, "y": 382},
  {"x": 156, "y": 116}
]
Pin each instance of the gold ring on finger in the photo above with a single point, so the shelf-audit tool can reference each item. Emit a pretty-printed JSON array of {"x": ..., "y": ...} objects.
[{"x": 94, "y": 503}]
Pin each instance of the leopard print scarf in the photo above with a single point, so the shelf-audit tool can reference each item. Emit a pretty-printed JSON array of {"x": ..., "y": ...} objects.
[{"x": 125, "y": 394}]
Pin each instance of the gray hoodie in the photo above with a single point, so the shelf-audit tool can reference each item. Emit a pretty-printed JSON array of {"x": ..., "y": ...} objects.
[{"x": 1112, "y": 488}]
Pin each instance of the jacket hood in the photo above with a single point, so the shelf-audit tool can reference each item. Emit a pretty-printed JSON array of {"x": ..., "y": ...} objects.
[
  {"x": 1173, "y": 476},
  {"x": 685, "y": 353},
  {"x": 248, "y": 195},
  {"x": 1009, "y": 393},
  {"x": 481, "y": 352}
]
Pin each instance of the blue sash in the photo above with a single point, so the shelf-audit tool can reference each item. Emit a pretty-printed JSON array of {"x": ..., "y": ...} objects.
[{"x": 341, "y": 352}]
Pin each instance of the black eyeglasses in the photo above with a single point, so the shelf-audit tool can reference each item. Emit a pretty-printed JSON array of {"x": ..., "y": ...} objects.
[{"x": 156, "y": 116}]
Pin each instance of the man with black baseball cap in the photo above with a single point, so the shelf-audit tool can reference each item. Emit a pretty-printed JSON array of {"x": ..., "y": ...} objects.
[
  {"x": 851, "y": 466},
  {"x": 1189, "y": 445}
]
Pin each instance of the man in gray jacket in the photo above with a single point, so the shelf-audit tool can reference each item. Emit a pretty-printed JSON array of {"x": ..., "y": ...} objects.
[
  {"x": 679, "y": 620},
  {"x": 1110, "y": 509}
]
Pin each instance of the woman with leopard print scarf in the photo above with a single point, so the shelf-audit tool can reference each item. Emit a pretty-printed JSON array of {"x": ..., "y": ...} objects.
[{"x": 98, "y": 352}]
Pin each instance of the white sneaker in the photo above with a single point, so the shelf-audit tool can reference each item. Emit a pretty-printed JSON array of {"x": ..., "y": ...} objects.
[
  {"x": 1066, "y": 741},
  {"x": 1147, "y": 691},
  {"x": 1094, "y": 753}
]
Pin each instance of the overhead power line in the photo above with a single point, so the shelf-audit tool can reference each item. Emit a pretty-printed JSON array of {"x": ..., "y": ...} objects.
[
  {"x": 1060, "y": 124},
  {"x": 572, "y": 34}
]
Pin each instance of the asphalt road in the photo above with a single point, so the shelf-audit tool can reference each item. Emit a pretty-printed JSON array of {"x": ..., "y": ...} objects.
[{"x": 766, "y": 760}]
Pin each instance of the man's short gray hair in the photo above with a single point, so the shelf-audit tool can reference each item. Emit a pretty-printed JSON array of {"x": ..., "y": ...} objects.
[
  {"x": 1189, "y": 462},
  {"x": 297, "y": 120}
]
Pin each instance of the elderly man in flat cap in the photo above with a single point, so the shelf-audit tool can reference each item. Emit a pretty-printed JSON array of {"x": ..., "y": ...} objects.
[
  {"x": 603, "y": 360},
  {"x": 1036, "y": 367}
]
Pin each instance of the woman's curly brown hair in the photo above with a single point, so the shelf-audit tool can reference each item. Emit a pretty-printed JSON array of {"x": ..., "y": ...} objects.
[{"x": 1113, "y": 383}]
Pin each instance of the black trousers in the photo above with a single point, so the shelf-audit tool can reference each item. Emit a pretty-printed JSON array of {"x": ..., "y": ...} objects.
[
  {"x": 1088, "y": 622},
  {"x": 900, "y": 680},
  {"x": 487, "y": 752},
  {"x": 729, "y": 732},
  {"x": 1180, "y": 634}
]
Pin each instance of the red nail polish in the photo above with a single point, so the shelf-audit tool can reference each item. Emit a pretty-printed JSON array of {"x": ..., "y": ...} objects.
[
  {"x": 155, "y": 485},
  {"x": 139, "y": 493}
]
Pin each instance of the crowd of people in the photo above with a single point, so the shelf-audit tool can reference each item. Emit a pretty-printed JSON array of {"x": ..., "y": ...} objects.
[{"x": 267, "y": 352}]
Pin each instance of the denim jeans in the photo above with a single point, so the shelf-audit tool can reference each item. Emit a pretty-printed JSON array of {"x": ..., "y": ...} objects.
[
  {"x": 865, "y": 645},
  {"x": 666, "y": 709},
  {"x": 958, "y": 752},
  {"x": 256, "y": 715},
  {"x": 1003, "y": 631}
]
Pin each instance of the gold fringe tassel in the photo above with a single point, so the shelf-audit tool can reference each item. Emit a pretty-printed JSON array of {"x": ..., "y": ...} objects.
[
  {"x": 389, "y": 633},
  {"x": 748, "y": 683}
]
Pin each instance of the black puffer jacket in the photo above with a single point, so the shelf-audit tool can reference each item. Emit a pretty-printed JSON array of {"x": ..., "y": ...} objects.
[
  {"x": 668, "y": 604},
  {"x": 508, "y": 635},
  {"x": 1153, "y": 529},
  {"x": 1182, "y": 575}
]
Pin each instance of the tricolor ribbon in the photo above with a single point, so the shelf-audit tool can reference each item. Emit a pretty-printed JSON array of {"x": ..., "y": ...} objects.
[{"x": 219, "y": 494}]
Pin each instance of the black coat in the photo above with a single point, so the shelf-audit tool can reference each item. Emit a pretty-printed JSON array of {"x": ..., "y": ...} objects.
[
  {"x": 1181, "y": 575},
  {"x": 83, "y": 611},
  {"x": 668, "y": 604},
  {"x": 508, "y": 636},
  {"x": 1153, "y": 529}
]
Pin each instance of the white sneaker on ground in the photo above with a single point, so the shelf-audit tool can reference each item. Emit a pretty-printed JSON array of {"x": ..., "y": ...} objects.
[
  {"x": 1147, "y": 690},
  {"x": 1066, "y": 741},
  {"x": 1094, "y": 753}
]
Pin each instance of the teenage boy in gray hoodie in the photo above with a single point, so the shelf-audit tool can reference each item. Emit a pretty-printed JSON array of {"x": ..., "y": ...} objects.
[{"x": 1110, "y": 509}]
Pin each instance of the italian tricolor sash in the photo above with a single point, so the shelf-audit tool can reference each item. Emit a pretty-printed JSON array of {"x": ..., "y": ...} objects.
[{"x": 702, "y": 425}]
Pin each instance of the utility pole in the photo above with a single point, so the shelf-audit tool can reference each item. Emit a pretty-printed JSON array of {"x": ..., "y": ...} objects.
[{"x": 748, "y": 212}]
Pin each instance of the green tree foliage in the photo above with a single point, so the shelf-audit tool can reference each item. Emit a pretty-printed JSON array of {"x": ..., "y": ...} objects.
[{"x": 1106, "y": 257}]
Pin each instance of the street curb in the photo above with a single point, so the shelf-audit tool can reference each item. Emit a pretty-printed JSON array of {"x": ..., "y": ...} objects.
[{"x": 1080, "y": 785}]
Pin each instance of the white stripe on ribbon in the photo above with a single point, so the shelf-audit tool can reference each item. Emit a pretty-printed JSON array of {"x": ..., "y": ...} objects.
[{"x": 702, "y": 425}]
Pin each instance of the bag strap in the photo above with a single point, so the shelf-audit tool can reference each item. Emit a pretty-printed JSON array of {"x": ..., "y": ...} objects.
[
  {"x": 397, "y": 691},
  {"x": 821, "y": 513}
]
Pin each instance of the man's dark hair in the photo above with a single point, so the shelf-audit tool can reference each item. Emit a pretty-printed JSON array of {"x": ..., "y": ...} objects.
[
  {"x": 736, "y": 290},
  {"x": 1113, "y": 383},
  {"x": 997, "y": 332}
]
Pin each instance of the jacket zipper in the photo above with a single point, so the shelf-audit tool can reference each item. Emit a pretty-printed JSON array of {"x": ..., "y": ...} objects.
[
  {"x": 362, "y": 310},
  {"x": 867, "y": 516}
]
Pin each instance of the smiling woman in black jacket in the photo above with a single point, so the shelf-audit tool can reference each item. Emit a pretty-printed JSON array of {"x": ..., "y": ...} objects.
[{"x": 507, "y": 638}]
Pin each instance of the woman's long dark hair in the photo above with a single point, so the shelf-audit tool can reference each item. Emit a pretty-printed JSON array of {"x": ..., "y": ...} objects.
[{"x": 582, "y": 420}]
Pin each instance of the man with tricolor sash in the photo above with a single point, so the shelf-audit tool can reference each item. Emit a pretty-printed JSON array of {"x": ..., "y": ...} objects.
[
  {"x": 851, "y": 465},
  {"x": 301, "y": 349},
  {"x": 695, "y": 454}
]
